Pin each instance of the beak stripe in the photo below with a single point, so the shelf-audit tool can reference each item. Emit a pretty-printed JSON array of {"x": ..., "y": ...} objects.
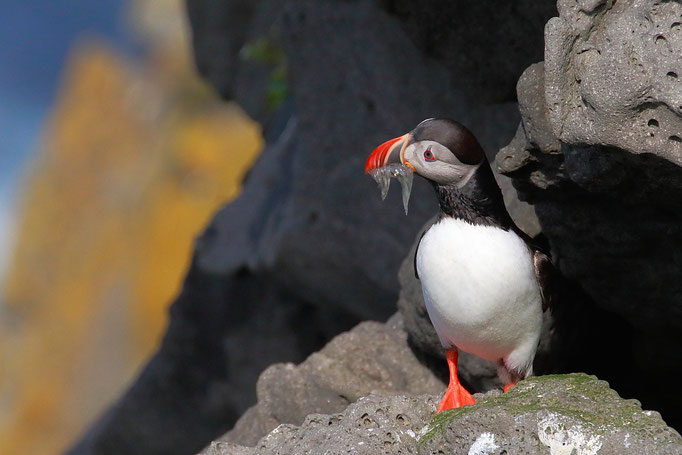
[{"x": 380, "y": 155}]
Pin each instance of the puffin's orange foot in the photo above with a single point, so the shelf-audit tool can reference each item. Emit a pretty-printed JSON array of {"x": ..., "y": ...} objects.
[
  {"x": 455, "y": 396},
  {"x": 508, "y": 386}
]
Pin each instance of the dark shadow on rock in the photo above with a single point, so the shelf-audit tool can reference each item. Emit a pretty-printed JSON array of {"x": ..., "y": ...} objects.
[{"x": 482, "y": 44}]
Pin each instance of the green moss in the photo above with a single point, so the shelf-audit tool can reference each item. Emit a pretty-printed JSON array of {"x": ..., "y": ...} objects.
[
  {"x": 266, "y": 50},
  {"x": 582, "y": 398}
]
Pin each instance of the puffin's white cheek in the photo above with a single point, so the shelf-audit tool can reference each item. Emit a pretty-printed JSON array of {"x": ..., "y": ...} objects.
[{"x": 444, "y": 173}]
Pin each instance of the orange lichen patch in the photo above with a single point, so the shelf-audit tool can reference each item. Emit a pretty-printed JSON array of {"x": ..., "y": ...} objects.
[
  {"x": 179, "y": 207},
  {"x": 133, "y": 164}
]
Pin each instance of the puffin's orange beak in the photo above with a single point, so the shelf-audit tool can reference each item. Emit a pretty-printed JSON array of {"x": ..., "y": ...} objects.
[{"x": 389, "y": 152}]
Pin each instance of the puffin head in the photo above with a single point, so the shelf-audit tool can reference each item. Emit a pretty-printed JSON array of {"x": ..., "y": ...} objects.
[{"x": 440, "y": 150}]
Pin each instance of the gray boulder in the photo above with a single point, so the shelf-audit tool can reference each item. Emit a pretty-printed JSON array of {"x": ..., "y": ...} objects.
[
  {"x": 598, "y": 154},
  {"x": 600, "y": 123},
  {"x": 373, "y": 357},
  {"x": 551, "y": 414},
  {"x": 376, "y": 424},
  {"x": 612, "y": 75}
]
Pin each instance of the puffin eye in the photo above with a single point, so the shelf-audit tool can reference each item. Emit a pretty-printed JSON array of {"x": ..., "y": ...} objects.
[{"x": 428, "y": 155}]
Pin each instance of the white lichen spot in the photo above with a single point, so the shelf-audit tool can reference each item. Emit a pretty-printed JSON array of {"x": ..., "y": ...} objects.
[
  {"x": 523, "y": 387},
  {"x": 484, "y": 445},
  {"x": 423, "y": 431},
  {"x": 626, "y": 441},
  {"x": 567, "y": 438}
]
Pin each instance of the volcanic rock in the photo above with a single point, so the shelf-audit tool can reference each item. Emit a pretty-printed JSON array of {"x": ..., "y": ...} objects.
[
  {"x": 552, "y": 414},
  {"x": 372, "y": 357},
  {"x": 598, "y": 154}
]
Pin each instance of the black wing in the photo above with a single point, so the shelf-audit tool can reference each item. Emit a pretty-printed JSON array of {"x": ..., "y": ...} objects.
[
  {"x": 548, "y": 279},
  {"x": 416, "y": 274}
]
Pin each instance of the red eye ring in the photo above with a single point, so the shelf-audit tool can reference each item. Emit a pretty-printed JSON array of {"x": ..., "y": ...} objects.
[{"x": 428, "y": 155}]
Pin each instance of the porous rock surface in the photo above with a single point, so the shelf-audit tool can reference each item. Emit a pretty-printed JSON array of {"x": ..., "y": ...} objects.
[
  {"x": 598, "y": 154},
  {"x": 600, "y": 121},
  {"x": 612, "y": 75},
  {"x": 376, "y": 424},
  {"x": 561, "y": 414},
  {"x": 373, "y": 357}
]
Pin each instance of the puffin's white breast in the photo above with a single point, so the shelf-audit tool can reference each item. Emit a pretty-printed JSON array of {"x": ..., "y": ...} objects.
[{"x": 480, "y": 288}]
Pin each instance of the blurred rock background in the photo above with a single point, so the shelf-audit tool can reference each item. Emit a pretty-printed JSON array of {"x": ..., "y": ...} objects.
[{"x": 134, "y": 156}]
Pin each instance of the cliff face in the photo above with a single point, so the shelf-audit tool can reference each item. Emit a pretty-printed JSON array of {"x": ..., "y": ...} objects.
[{"x": 303, "y": 252}]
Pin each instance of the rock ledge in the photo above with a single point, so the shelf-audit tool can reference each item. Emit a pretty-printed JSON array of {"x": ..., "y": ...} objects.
[{"x": 574, "y": 413}]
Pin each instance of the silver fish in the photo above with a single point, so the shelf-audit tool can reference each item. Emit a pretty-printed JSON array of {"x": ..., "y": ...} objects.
[{"x": 403, "y": 173}]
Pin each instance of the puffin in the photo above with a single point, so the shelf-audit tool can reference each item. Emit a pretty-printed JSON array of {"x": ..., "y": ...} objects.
[{"x": 484, "y": 281}]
